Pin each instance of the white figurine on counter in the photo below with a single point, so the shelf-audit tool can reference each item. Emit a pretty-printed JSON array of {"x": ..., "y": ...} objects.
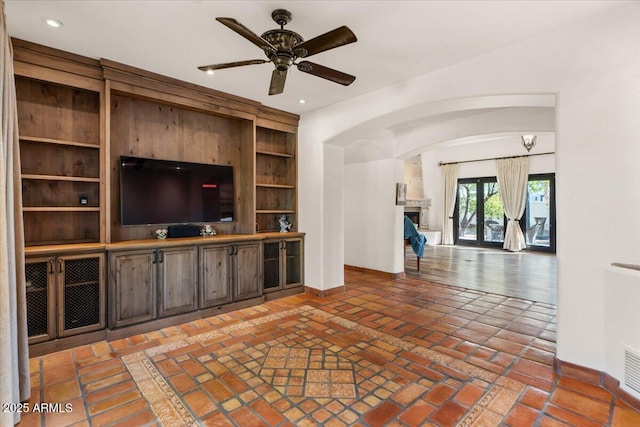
[
  {"x": 284, "y": 224},
  {"x": 207, "y": 230}
]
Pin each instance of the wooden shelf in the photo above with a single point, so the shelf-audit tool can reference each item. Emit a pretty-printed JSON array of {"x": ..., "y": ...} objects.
[
  {"x": 60, "y": 178},
  {"x": 61, "y": 209},
  {"x": 275, "y": 211},
  {"x": 276, "y": 186},
  {"x": 273, "y": 153},
  {"x": 59, "y": 141}
]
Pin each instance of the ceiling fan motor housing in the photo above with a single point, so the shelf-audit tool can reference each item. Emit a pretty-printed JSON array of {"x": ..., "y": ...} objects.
[{"x": 284, "y": 41}]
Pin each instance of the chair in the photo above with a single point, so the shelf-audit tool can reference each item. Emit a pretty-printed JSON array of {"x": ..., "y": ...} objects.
[
  {"x": 407, "y": 242},
  {"x": 413, "y": 238}
]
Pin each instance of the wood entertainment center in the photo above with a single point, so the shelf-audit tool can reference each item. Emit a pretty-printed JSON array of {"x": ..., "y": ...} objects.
[{"x": 90, "y": 278}]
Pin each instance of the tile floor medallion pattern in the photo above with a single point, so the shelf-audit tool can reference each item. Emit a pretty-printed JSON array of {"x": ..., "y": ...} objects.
[{"x": 302, "y": 369}]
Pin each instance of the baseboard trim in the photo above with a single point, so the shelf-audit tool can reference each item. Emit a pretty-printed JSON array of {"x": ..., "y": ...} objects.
[
  {"x": 597, "y": 378},
  {"x": 384, "y": 274},
  {"x": 318, "y": 293}
]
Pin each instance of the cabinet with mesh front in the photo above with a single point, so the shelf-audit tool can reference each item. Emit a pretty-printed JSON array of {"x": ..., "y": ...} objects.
[
  {"x": 41, "y": 301},
  {"x": 81, "y": 296},
  {"x": 65, "y": 295}
]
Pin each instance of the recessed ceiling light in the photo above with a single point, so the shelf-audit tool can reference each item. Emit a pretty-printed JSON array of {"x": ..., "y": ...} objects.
[
  {"x": 301, "y": 101},
  {"x": 210, "y": 72},
  {"x": 53, "y": 23}
]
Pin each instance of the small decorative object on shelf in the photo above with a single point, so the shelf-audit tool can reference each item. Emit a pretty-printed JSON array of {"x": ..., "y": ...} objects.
[
  {"x": 161, "y": 233},
  {"x": 284, "y": 224},
  {"x": 207, "y": 230}
]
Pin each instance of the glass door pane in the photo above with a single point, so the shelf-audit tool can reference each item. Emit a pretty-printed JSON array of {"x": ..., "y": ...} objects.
[
  {"x": 271, "y": 265},
  {"x": 493, "y": 213},
  {"x": 293, "y": 262},
  {"x": 467, "y": 211},
  {"x": 538, "y": 219}
]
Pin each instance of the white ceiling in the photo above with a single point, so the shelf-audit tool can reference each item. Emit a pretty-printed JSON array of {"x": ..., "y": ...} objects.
[{"x": 397, "y": 40}]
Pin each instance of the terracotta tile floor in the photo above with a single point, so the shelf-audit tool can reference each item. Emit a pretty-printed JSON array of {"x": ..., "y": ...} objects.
[{"x": 386, "y": 352}]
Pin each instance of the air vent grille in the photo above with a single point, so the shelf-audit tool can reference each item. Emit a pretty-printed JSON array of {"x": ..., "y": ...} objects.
[{"x": 632, "y": 370}]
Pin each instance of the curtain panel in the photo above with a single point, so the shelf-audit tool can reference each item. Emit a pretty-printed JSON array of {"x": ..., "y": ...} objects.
[
  {"x": 450, "y": 173},
  {"x": 513, "y": 176},
  {"x": 14, "y": 351}
]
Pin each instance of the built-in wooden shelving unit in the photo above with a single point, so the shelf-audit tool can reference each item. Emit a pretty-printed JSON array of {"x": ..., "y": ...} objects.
[{"x": 76, "y": 117}]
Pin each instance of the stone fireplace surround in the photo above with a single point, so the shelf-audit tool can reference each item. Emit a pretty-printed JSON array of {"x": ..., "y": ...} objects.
[{"x": 420, "y": 206}]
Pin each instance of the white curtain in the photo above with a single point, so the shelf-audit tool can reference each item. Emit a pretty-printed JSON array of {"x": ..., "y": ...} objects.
[
  {"x": 513, "y": 175},
  {"x": 450, "y": 173},
  {"x": 14, "y": 351}
]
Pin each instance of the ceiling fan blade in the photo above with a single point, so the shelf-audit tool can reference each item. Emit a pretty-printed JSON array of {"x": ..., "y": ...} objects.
[
  {"x": 335, "y": 38},
  {"x": 246, "y": 33},
  {"x": 232, "y": 64},
  {"x": 326, "y": 73},
  {"x": 277, "y": 82}
]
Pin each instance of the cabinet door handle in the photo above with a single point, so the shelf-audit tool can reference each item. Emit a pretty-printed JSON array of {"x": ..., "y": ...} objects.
[
  {"x": 236, "y": 250},
  {"x": 60, "y": 266},
  {"x": 284, "y": 245},
  {"x": 154, "y": 260},
  {"x": 161, "y": 256},
  {"x": 51, "y": 268}
]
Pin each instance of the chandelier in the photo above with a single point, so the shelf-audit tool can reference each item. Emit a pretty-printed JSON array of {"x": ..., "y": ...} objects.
[{"x": 528, "y": 141}]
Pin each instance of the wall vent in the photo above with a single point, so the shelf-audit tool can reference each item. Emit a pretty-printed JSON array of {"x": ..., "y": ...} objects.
[{"x": 632, "y": 369}]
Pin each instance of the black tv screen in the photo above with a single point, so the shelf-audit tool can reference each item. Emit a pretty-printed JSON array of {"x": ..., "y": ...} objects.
[{"x": 171, "y": 192}]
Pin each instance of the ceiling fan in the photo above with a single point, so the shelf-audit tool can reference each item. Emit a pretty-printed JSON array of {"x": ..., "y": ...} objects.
[{"x": 284, "y": 48}]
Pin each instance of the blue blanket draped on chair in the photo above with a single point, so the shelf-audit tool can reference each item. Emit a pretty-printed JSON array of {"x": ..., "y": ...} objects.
[{"x": 416, "y": 239}]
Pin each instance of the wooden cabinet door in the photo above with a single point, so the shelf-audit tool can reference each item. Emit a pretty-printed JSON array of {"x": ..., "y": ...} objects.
[
  {"x": 132, "y": 287},
  {"x": 41, "y": 301},
  {"x": 292, "y": 262},
  {"x": 177, "y": 280},
  {"x": 81, "y": 295},
  {"x": 271, "y": 265},
  {"x": 248, "y": 278},
  {"x": 215, "y": 275}
]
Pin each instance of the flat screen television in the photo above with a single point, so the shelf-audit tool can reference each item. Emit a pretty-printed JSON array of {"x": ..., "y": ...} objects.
[{"x": 173, "y": 192}]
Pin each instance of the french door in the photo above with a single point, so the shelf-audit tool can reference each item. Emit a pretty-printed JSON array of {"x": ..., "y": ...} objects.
[
  {"x": 479, "y": 214},
  {"x": 539, "y": 220}
]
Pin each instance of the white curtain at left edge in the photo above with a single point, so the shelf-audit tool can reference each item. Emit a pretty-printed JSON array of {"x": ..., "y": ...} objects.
[{"x": 14, "y": 352}]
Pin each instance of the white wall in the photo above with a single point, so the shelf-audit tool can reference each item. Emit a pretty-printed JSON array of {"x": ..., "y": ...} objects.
[
  {"x": 371, "y": 216},
  {"x": 594, "y": 69}
]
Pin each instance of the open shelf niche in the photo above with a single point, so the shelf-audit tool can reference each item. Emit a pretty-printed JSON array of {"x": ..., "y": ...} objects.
[
  {"x": 60, "y": 155},
  {"x": 276, "y": 178}
]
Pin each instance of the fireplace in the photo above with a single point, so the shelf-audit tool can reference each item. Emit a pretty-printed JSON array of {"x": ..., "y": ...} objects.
[
  {"x": 418, "y": 211},
  {"x": 413, "y": 216}
]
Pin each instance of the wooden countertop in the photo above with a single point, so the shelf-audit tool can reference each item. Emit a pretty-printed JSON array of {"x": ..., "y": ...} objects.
[{"x": 155, "y": 243}]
